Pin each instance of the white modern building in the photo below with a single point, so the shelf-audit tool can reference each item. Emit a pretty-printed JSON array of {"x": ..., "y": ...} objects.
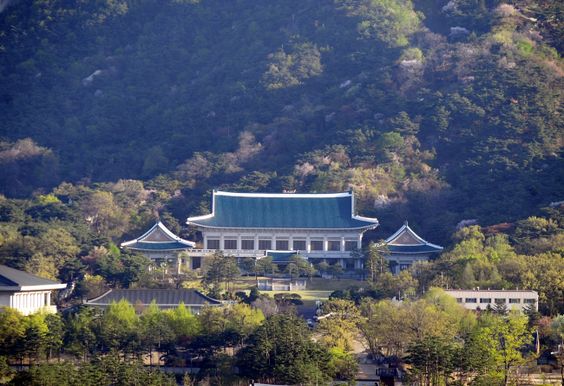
[
  {"x": 316, "y": 226},
  {"x": 25, "y": 292},
  {"x": 161, "y": 245},
  {"x": 484, "y": 299},
  {"x": 405, "y": 247}
]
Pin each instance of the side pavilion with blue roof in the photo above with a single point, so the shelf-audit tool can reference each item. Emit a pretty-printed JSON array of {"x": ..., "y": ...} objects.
[
  {"x": 318, "y": 226},
  {"x": 406, "y": 247},
  {"x": 161, "y": 245}
]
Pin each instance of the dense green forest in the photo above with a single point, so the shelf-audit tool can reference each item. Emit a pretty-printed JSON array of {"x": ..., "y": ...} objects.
[
  {"x": 115, "y": 112},
  {"x": 433, "y": 112},
  {"x": 447, "y": 113},
  {"x": 443, "y": 343}
]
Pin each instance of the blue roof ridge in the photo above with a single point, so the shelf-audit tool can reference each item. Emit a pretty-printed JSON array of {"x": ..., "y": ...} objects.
[
  {"x": 100, "y": 297},
  {"x": 282, "y": 195},
  {"x": 372, "y": 222},
  {"x": 204, "y": 295},
  {"x": 367, "y": 219},
  {"x": 406, "y": 228},
  {"x": 163, "y": 228}
]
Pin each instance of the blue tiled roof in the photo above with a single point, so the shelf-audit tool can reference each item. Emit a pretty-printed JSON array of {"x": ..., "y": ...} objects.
[
  {"x": 302, "y": 211},
  {"x": 405, "y": 240},
  {"x": 413, "y": 248},
  {"x": 158, "y": 246},
  {"x": 10, "y": 277},
  {"x": 158, "y": 238},
  {"x": 166, "y": 297}
]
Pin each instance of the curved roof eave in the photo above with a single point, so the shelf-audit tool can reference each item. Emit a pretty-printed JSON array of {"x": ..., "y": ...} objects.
[
  {"x": 367, "y": 227},
  {"x": 163, "y": 228}
]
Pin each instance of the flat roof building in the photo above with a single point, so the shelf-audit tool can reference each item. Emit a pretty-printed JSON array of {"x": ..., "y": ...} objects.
[{"x": 483, "y": 299}]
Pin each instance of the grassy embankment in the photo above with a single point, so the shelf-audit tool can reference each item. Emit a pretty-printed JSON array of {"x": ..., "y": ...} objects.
[{"x": 317, "y": 288}]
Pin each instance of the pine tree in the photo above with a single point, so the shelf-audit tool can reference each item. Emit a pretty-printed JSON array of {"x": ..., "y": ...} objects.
[{"x": 501, "y": 309}]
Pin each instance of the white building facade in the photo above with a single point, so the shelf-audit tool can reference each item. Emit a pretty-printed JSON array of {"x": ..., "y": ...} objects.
[
  {"x": 484, "y": 299},
  {"x": 25, "y": 292},
  {"x": 316, "y": 226}
]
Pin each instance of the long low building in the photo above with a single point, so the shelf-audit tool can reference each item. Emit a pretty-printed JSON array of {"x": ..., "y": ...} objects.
[
  {"x": 318, "y": 226},
  {"x": 164, "y": 298},
  {"x": 481, "y": 299}
]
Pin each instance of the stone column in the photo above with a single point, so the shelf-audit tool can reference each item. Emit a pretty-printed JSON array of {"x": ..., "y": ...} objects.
[
  {"x": 308, "y": 244},
  {"x": 188, "y": 263},
  {"x": 358, "y": 264},
  {"x": 342, "y": 244},
  {"x": 325, "y": 244}
]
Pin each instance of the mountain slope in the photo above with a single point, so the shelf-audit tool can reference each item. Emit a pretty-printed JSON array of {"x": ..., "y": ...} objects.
[{"x": 434, "y": 112}]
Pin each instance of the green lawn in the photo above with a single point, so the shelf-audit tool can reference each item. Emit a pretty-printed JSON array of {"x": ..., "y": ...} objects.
[
  {"x": 314, "y": 284},
  {"x": 317, "y": 288},
  {"x": 331, "y": 285},
  {"x": 320, "y": 289},
  {"x": 308, "y": 297}
]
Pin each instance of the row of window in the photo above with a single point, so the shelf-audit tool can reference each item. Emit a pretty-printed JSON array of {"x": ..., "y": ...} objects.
[
  {"x": 281, "y": 245},
  {"x": 496, "y": 301}
]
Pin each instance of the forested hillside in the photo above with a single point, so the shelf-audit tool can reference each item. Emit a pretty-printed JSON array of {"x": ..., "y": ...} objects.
[
  {"x": 432, "y": 111},
  {"x": 446, "y": 113}
]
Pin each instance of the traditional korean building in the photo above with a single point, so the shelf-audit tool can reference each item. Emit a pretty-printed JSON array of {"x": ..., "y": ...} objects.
[
  {"x": 406, "y": 247},
  {"x": 316, "y": 226},
  {"x": 161, "y": 245},
  {"x": 25, "y": 292}
]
